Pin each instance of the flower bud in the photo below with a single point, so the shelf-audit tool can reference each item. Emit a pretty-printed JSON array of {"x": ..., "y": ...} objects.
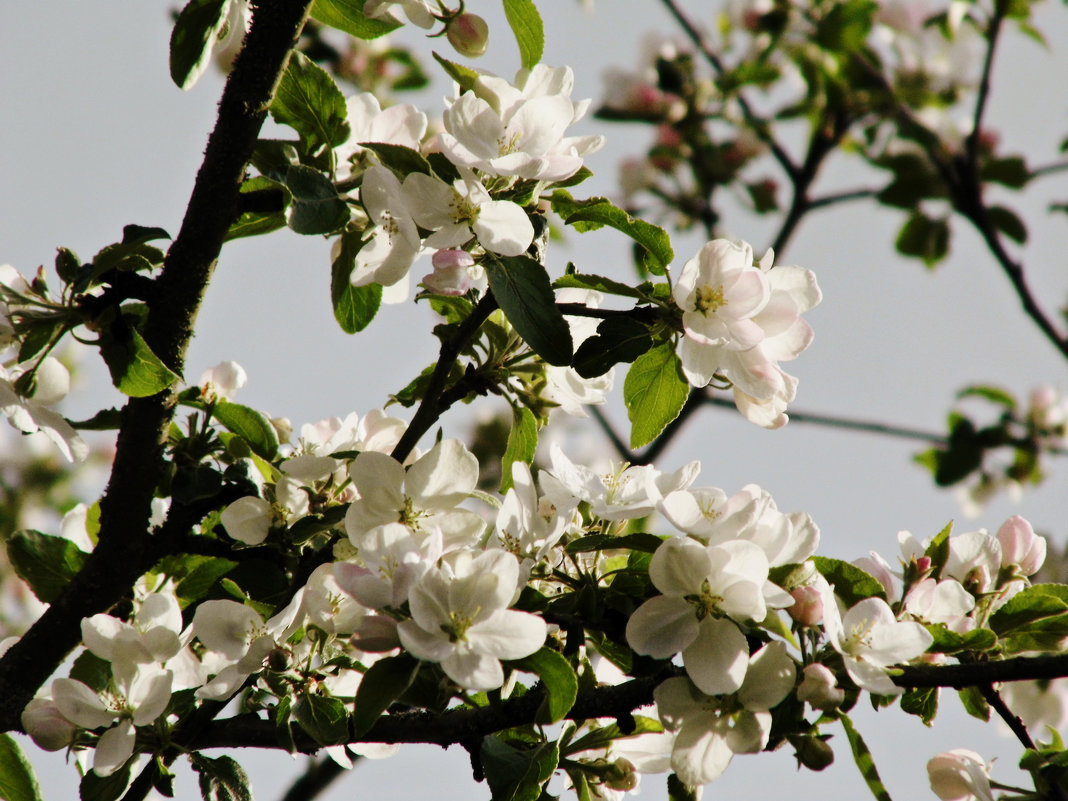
[
  {"x": 451, "y": 274},
  {"x": 1021, "y": 546},
  {"x": 812, "y": 752},
  {"x": 808, "y": 605},
  {"x": 468, "y": 34},
  {"x": 958, "y": 775},
  {"x": 819, "y": 688},
  {"x": 48, "y": 728},
  {"x": 621, "y": 776}
]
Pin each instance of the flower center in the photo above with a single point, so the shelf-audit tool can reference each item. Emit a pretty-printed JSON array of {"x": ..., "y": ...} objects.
[
  {"x": 709, "y": 299},
  {"x": 705, "y": 603},
  {"x": 508, "y": 144},
  {"x": 458, "y": 625}
]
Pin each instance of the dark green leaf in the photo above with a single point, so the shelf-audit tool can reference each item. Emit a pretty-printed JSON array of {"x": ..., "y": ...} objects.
[
  {"x": 845, "y": 28},
  {"x": 640, "y": 541},
  {"x": 558, "y": 678},
  {"x": 135, "y": 370},
  {"x": 1011, "y": 171},
  {"x": 974, "y": 703},
  {"x": 601, "y": 211},
  {"x": 324, "y": 718},
  {"x": 851, "y": 584},
  {"x": 221, "y": 779},
  {"x": 618, "y": 339},
  {"x": 522, "y": 443},
  {"x": 464, "y": 76},
  {"x": 195, "y": 33},
  {"x": 253, "y": 223},
  {"x": 35, "y": 340},
  {"x": 598, "y": 283},
  {"x": 1007, "y": 221},
  {"x": 862, "y": 756},
  {"x": 348, "y": 16},
  {"x": 1032, "y": 609},
  {"x": 201, "y": 575},
  {"x": 250, "y": 425},
  {"x": 104, "y": 788},
  {"x": 104, "y": 420},
  {"x": 17, "y": 780},
  {"x": 140, "y": 234},
  {"x": 67, "y": 264},
  {"x": 316, "y": 206},
  {"x": 45, "y": 562},
  {"x": 677, "y": 791},
  {"x": 924, "y": 238},
  {"x": 521, "y": 287},
  {"x": 309, "y": 102},
  {"x": 654, "y": 392},
  {"x": 354, "y": 306},
  {"x": 514, "y": 774},
  {"x": 383, "y": 683},
  {"x": 526, "y": 24},
  {"x": 402, "y": 160},
  {"x": 922, "y": 702}
]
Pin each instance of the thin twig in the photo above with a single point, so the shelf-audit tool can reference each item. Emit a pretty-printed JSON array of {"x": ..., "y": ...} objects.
[{"x": 841, "y": 197}]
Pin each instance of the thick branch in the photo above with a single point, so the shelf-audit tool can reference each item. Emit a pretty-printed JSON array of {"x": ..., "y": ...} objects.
[
  {"x": 125, "y": 548},
  {"x": 983, "y": 673}
]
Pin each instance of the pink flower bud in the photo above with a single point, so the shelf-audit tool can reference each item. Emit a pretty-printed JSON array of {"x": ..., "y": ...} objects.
[
  {"x": 1021, "y": 546},
  {"x": 808, "y": 606},
  {"x": 819, "y": 688},
  {"x": 451, "y": 275},
  {"x": 469, "y": 34}
]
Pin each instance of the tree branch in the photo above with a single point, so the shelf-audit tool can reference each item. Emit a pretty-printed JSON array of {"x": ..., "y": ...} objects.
[{"x": 125, "y": 550}]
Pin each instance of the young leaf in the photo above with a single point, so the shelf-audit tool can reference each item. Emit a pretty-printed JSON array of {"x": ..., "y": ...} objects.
[
  {"x": 348, "y": 16},
  {"x": 862, "y": 756},
  {"x": 253, "y": 223},
  {"x": 598, "y": 283},
  {"x": 526, "y": 24},
  {"x": 354, "y": 306},
  {"x": 559, "y": 679},
  {"x": 45, "y": 562},
  {"x": 383, "y": 683},
  {"x": 17, "y": 780},
  {"x": 135, "y": 370},
  {"x": 521, "y": 287},
  {"x": 464, "y": 76},
  {"x": 618, "y": 339},
  {"x": 601, "y": 211},
  {"x": 324, "y": 718},
  {"x": 221, "y": 779},
  {"x": 851, "y": 584},
  {"x": 195, "y": 33},
  {"x": 402, "y": 160},
  {"x": 925, "y": 238},
  {"x": 316, "y": 206},
  {"x": 309, "y": 102},
  {"x": 250, "y": 425},
  {"x": 517, "y": 775},
  {"x": 522, "y": 442},
  {"x": 654, "y": 392}
]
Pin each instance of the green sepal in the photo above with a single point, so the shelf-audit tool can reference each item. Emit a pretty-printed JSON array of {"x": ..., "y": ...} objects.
[
  {"x": 17, "y": 779},
  {"x": 46, "y": 563},
  {"x": 526, "y": 24},
  {"x": 196, "y": 32},
  {"x": 348, "y": 16},
  {"x": 558, "y": 678},
  {"x": 309, "y": 102},
  {"x": 522, "y": 289},
  {"x": 654, "y": 391}
]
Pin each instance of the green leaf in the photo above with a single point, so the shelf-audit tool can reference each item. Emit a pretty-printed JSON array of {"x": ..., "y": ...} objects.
[
  {"x": 640, "y": 541},
  {"x": 1007, "y": 221},
  {"x": 250, "y": 425},
  {"x": 253, "y": 223},
  {"x": 678, "y": 791},
  {"x": 559, "y": 679},
  {"x": 309, "y": 102},
  {"x": 201, "y": 575},
  {"x": 104, "y": 788},
  {"x": 938, "y": 550},
  {"x": 1011, "y": 171},
  {"x": 604, "y": 736},
  {"x": 514, "y": 774},
  {"x": 851, "y": 584},
  {"x": 993, "y": 394},
  {"x": 1034, "y": 608},
  {"x": 92, "y": 671},
  {"x": 140, "y": 234},
  {"x": 974, "y": 703},
  {"x": 316, "y": 206},
  {"x": 654, "y": 392},
  {"x": 383, "y": 683},
  {"x": 354, "y": 306},
  {"x": 464, "y": 76},
  {"x": 325, "y": 719},
  {"x": 402, "y": 160},
  {"x": 529, "y": 33},
  {"x": 196, "y": 31},
  {"x": 135, "y": 370},
  {"x": 602, "y": 211},
  {"x": 618, "y": 339},
  {"x": 521, "y": 287},
  {"x": 221, "y": 779},
  {"x": 45, "y": 562},
  {"x": 598, "y": 283},
  {"x": 862, "y": 756},
  {"x": 924, "y": 238},
  {"x": 348, "y": 16},
  {"x": 522, "y": 443},
  {"x": 922, "y": 702},
  {"x": 17, "y": 780},
  {"x": 845, "y": 28}
]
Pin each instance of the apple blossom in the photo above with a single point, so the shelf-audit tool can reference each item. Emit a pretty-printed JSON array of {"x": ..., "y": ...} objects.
[
  {"x": 946, "y": 602},
  {"x": 455, "y": 272},
  {"x": 402, "y": 125},
  {"x": 30, "y": 416},
  {"x": 564, "y": 386},
  {"x": 222, "y": 381},
  {"x": 460, "y": 618},
  {"x": 1021, "y": 548},
  {"x": 819, "y": 688},
  {"x": 960, "y": 775},
  {"x": 392, "y": 243},
  {"x": 418, "y": 12}
]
